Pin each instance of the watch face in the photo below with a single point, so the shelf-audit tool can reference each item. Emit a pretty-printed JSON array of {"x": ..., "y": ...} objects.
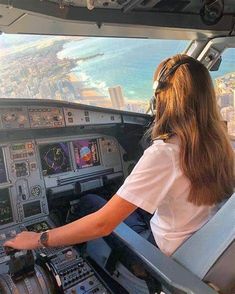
[{"x": 44, "y": 238}]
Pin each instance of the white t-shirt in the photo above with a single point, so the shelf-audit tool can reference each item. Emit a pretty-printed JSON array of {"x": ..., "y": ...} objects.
[{"x": 158, "y": 185}]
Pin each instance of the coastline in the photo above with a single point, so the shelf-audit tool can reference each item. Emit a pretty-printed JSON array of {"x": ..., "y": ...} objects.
[{"x": 38, "y": 70}]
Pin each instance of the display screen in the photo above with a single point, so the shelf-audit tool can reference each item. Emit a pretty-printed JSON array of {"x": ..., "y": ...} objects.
[
  {"x": 6, "y": 215},
  {"x": 16, "y": 147},
  {"x": 32, "y": 208},
  {"x": 55, "y": 158},
  {"x": 3, "y": 174},
  {"x": 38, "y": 227},
  {"x": 86, "y": 153}
]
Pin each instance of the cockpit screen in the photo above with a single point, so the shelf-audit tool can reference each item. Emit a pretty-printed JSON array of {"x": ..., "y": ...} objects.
[
  {"x": 86, "y": 153},
  {"x": 55, "y": 158},
  {"x": 3, "y": 175},
  {"x": 32, "y": 208},
  {"x": 6, "y": 216}
]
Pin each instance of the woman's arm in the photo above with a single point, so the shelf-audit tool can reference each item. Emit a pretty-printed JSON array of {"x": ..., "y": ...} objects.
[{"x": 95, "y": 225}]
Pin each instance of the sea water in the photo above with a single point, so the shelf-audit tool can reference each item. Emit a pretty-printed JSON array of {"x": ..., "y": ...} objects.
[{"x": 128, "y": 62}]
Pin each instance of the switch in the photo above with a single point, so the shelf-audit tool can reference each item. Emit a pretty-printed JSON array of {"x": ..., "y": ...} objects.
[
  {"x": 13, "y": 233},
  {"x": 2, "y": 236}
]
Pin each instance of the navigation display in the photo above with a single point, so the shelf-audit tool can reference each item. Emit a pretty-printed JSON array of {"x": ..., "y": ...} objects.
[
  {"x": 6, "y": 215},
  {"x": 32, "y": 208},
  {"x": 3, "y": 174},
  {"x": 86, "y": 153},
  {"x": 55, "y": 158}
]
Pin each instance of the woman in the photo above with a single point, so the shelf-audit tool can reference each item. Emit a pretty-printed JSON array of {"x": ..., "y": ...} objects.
[{"x": 180, "y": 178}]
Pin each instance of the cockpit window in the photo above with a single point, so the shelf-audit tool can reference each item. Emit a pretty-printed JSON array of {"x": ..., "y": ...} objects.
[
  {"x": 107, "y": 72},
  {"x": 224, "y": 81}
]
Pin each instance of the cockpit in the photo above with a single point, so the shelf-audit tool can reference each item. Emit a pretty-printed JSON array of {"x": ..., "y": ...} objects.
[{"x": 75, "y": 91}]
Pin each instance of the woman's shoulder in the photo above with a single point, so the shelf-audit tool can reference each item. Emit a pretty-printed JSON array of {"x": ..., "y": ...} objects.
[{"x": 168, "y": 146}]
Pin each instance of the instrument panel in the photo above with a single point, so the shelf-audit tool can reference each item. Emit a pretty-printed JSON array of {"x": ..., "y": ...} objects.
[
  {"x": 46, "y": 117},
  {"x": 28, "y": 169},
  {"x": 14, "y": 118},
  {"x": 83, "y": 160},
  {"x": 49, "y": 149},
  {"x": 39, "y": 117},
  {"x": 22, "y": 181},
  {"x": 45, "y": 163}
]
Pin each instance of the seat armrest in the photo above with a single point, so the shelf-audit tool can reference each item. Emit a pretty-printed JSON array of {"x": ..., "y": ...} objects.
[{"x": 169, "y": 273}]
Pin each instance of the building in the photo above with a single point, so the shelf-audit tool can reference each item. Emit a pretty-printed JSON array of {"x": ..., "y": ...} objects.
[{"x": 116, "y": 97}]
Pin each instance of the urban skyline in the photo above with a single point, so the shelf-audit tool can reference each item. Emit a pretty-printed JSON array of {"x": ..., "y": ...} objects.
[{"x": 37, "y": 72}]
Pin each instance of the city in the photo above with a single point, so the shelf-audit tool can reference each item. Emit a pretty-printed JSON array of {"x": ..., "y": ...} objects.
[
  {"x": 38, "y": 72},
  {"x": 225, "y": 92}
]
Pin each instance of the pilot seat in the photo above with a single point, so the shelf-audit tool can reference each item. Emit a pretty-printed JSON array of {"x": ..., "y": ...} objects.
[{"x": 208, "y": 254}]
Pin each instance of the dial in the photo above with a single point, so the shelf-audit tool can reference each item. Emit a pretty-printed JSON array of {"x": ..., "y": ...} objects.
[
  {"x": 36, "y": 191},
  {"x": 9, "y": 117}
]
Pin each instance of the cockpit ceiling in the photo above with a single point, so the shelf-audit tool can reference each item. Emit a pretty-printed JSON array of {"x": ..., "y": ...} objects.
[
  {"x": 180, "y": 19},
  {"x": 189, "y": 6}
]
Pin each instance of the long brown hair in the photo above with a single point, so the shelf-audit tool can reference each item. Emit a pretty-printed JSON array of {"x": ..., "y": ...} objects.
[{"x": 186, "y": 107}]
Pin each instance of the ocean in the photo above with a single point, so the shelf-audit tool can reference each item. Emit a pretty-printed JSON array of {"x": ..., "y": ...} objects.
[{"x": 128, "y": 62}]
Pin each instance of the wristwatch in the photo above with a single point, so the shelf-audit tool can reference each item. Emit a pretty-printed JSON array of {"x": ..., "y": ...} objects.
[{"x": 43, "y": 239}]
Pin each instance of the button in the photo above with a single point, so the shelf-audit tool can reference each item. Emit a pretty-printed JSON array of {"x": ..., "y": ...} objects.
[
  {"x": 13, "y": 233},
  {"x": 69, "y": 254},
  {"x": 2, "y": 236}
]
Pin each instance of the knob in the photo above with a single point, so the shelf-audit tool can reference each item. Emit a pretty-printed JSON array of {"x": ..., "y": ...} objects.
[
  {"x": 69, "y": 254},
  {"x": 57, "y": 118},
  {"x": 21, "y": 119},
  {"x": 8, "y": 117}
]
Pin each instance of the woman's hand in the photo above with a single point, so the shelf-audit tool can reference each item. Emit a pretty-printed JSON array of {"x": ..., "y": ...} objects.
[{"x": 24, "y": 240}]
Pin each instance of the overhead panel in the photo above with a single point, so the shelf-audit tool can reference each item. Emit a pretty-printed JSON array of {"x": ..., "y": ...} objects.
[
  {"x": 116, "y": 17},
  {"x": 8, "y": 16}
]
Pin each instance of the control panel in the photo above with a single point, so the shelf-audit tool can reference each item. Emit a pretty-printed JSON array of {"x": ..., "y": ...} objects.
[
  {"x": 29, "y": 168},
  {"x": 40, "y": 117},
  {"x": 75, "y": 117},
  {"x": 63, "y": 266},
  {"x": 27, "y": 185},
  {"x": 82, "y": 160},
  {"x": 46, "y": 117},
  {"x": 110, "y": 152},
  {"x": 6, "y": 234},
  {"x": 36, "y": 162},
  {"x": 14, "y": 118},
  {"x": 73, "y": 274}
]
